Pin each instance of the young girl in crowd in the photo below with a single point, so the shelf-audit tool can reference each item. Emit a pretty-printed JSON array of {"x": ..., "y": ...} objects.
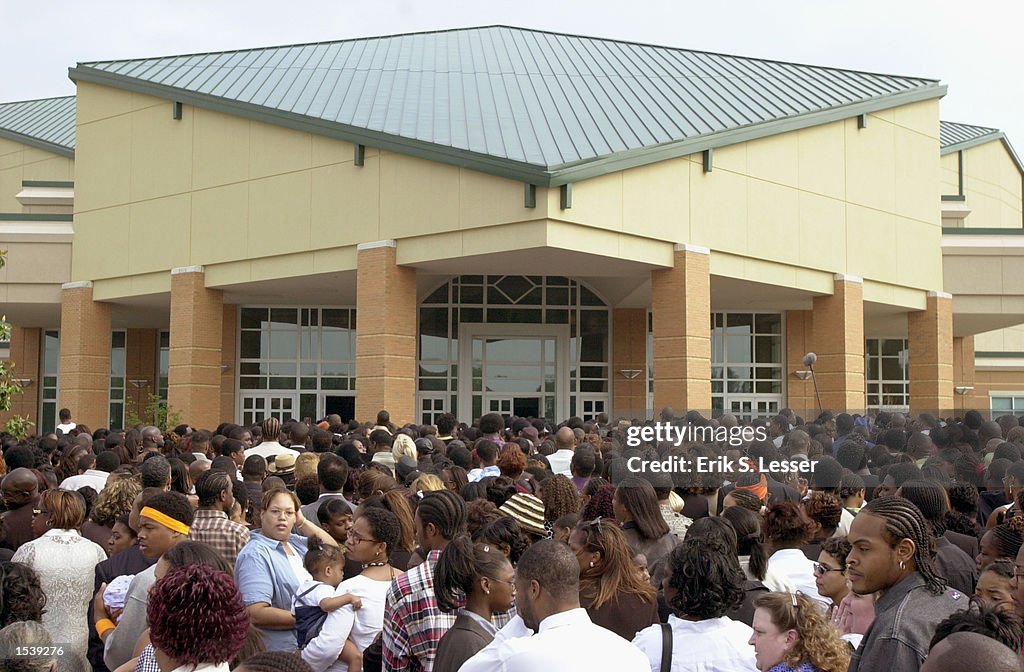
[
  {"x": 995, "y": 585},
  {"x": 315, "y": 599}
]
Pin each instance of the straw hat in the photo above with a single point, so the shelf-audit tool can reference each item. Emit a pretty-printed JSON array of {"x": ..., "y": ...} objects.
[{"x": 284, "y": 463}]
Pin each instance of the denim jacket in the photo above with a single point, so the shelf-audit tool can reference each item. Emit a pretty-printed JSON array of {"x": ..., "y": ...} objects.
[{"x": 905, "y": 620}]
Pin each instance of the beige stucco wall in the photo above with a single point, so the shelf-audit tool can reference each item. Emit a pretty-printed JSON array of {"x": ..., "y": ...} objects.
[
  {"x": 221, "y": 191},
  {"x": 832, "y": 198},
  {"x": 992, "y": 186},
  {"x": 20, "y": 162},
  {"x": 1010, "y": 339}
]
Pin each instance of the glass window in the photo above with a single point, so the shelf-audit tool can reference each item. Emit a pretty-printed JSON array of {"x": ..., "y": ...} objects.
[
  {"x": 885, "y": 374},
  {"x": 118, "y": 362}
]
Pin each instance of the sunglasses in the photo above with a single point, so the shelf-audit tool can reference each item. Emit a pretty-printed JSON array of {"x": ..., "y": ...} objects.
[{"x": 821, "y": 570}]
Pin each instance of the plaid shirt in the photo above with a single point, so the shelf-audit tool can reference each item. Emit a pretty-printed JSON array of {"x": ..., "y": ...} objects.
[
  {"x": 413, "y": 624},
  {"x": 220, "y": 533}
]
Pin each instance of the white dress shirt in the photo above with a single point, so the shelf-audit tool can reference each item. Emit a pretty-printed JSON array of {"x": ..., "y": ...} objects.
[
  {"x": 565, "y": 641},
  {"x": 94, "y": 477},
  {"x": 269, "y": 449},
  {"x": 789, "y": 570},
  {"x": 718, "y": 644},
  {"x": 560, "y": 460}
]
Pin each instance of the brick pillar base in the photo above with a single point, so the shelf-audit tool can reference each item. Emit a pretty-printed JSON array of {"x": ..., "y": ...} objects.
[
  {"x": 629, "y": 353},
  {"x": 385, "y": 334},
  {"x": 681, "y": 313},
  {"x": 140, "y": 358},
  {"x": 84, "y": 355},
  {"x": 839, "y": 343},
  {"x": 197, "y": 313},
  {"x": 931, "y": 355},
  {"x": 799, "y": 335},
  {"x": 25, "y": 344}
]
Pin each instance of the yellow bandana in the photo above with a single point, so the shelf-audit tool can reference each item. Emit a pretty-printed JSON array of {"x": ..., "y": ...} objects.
[{"x": 165, "y": 520}]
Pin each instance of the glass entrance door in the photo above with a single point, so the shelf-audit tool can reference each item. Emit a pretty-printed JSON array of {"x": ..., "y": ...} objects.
[{"x": 513, "y": 370}]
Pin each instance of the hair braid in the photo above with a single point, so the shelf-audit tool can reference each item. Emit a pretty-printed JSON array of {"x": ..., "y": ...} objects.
[
  {"x": 1008, "y": 538},
  {"x": 446, "y": 510},
  {"x": 903, "y": 520}
]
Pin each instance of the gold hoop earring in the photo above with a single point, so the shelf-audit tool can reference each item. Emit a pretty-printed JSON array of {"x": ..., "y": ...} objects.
[
  {"x": 902, "y": 565},
  {"x": 591, "y": 564}
]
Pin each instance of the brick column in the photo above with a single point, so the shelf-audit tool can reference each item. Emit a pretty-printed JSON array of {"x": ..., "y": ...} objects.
[
  {"x": 681, "y": 313},
  {"x": 193, "y": 385},
  {"x": 839, "y": 343},
  {"x": 229, "y": 375},
  {"x": 799, "y": 334},
  {"x": 140, "y": 360},
  {"x": 25, "y": 354},
  {"x": 84, "y": 386},
  {"x": 385, "y": 334},
  {"x": 964, "y": 375},
  {"x": 629, "y": 353},
  {"x": 931, "y": 355}
]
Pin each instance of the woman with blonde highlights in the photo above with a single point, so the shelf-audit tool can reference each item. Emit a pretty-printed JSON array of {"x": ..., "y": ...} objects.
[
  {"x": 791, "y": 634},
  {"x": 612, "y": 588}
]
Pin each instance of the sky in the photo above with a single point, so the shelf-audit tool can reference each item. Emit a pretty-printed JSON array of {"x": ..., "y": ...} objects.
[{"x": 972, "y": 47}]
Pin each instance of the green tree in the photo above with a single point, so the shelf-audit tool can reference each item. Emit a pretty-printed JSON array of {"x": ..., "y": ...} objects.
[{"x": 17, "y": 426}]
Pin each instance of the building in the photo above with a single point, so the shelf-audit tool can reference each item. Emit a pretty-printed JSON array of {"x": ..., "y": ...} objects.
[{"x": 522, "y": 222}]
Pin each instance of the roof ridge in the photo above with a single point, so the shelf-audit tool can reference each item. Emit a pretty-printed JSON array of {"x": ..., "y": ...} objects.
[
  {"x": 960, "y": 123},
  {"x": 512, "y": 27},
  {"x": 34, "y": 100}
]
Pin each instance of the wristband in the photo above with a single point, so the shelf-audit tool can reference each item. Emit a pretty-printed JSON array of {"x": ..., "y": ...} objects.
[{"x": 104, "y": 625}]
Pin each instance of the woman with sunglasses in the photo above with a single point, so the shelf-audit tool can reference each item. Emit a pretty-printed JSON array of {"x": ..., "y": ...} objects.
[
  {"x": 483, "y": 573},
  {"x": 830, "y": 571},
  {"x": 66, "y": 564},
  {"x": 612, "y": 587}
]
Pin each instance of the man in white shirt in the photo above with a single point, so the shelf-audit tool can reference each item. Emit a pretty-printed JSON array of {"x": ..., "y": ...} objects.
[
  {"x": 487, "y": 452},
  {"x": 270, "y": 446},
  {"x": 66, "y": 425},
  {"x": 548, "y": 600},
  {"x": 104, "y": 463},
  {"x": 565, "y": 442}
]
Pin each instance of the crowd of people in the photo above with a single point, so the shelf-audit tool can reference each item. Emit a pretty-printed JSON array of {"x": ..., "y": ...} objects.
[{"x": 512, "y": 544}]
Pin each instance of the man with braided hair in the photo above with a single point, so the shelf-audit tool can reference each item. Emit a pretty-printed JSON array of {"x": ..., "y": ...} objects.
[
  {"x": 958, "y": 569},
  {"x": 892, "y": 555},
  {"x": 413, "y": 623}
]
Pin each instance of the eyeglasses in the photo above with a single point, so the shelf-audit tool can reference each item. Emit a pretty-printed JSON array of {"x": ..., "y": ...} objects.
[
  {"x": 354, "y": 538},
  {"x": 821, "y": 570},
  {"x": 281, "y": 513},
  {"x": 1018, "y": 572},
  {"x": 511, "y": 584}
]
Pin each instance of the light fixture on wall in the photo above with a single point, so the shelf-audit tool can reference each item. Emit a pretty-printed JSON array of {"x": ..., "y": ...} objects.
[
  {"x": 224, "y": 368},
  {"x": 803, "y": 375},
  {"x": 138, "y": 383},
  {"x": 23, "y": 382},
  {"x": 630, "y": 373},
  {"x": 963, "y": 389}
]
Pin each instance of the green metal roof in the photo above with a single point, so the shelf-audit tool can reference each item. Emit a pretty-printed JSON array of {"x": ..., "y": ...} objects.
[
  {"x": 47, "y": 123},
  {"x": 541, "y": 107},
  {"x": 955, "y": 137}
]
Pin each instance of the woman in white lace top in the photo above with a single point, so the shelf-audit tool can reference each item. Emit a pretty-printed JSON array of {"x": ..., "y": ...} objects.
[{"x": 65, "y": 562}]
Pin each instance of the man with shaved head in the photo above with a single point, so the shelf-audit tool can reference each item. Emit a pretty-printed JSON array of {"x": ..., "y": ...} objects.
[
  {"x": 20, "y": 490},
  {"x": 965, "y": 651},
  {"x": 561, "y": 459}
]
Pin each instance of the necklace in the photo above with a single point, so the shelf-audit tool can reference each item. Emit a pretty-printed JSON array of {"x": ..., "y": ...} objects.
[{"x": 374, "y": 564}]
